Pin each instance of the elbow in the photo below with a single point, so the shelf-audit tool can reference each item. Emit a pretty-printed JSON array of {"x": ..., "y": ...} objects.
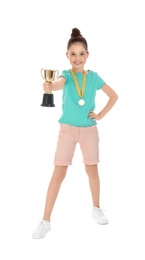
[{"x": 115, "y": 97}]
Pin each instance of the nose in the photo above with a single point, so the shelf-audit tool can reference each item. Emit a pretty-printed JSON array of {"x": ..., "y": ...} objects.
[{"x": 77, "y": 57}]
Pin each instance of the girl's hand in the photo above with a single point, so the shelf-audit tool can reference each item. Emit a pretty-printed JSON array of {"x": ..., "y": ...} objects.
[
  {"x": 94, "y": 116},
  {"x": 47, "y": 86}
]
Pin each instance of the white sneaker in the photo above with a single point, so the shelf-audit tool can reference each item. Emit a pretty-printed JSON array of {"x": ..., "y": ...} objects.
[
  {"x": 42, "y": 229},
  {"x": 99, "y": 216}
]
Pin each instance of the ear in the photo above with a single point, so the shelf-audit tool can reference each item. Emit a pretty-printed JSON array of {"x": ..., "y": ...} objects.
[
  {"x": 88, "y": 54},
  {"x": 67, "y": 54}
]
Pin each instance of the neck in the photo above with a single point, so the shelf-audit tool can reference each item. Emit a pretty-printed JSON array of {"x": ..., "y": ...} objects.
[{"x": 78, "y": 70}]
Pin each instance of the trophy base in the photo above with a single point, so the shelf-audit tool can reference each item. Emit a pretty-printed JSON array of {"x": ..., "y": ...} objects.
[{"x": 47, "y": 100}]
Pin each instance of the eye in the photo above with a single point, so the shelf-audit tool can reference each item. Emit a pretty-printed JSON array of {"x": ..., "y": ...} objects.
[
  {"x": 72, "y": 54},
  {"x": 82, "y": 53}
]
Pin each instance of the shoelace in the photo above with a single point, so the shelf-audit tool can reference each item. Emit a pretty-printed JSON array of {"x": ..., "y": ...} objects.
[
  {"x": 42, "y": 224},
  {"x": 100, "y": 212}
]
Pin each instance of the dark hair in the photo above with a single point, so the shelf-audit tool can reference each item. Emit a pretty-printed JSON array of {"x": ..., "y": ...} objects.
[{"x": 77, "y": 37}]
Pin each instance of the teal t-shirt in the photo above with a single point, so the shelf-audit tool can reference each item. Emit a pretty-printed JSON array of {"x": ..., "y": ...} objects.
[{"x": 72, "y": 113}]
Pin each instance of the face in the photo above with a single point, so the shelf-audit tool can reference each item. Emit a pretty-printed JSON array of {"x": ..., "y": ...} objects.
[{"x": 77, "y": 56}]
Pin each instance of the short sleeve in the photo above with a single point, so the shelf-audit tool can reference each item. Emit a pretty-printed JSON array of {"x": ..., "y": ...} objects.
[
  {"x": 65, "y": 74},
  {"x": 100, "y": 82}
]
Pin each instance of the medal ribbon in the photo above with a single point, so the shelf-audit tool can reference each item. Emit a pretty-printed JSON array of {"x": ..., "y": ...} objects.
[{"x": 80, "y": 93}]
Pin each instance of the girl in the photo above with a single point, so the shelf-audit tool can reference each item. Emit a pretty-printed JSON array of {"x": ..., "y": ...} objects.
[{"x": 77, "y": 125}]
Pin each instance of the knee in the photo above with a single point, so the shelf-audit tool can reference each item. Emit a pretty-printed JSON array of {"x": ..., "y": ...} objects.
[
  {"x": 59, "y": 173},
  {"x": 91, "y": 170}
]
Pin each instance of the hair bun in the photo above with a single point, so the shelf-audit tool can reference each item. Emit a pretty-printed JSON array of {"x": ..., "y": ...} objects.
[
  {"x": 76, "y": 33},
  {"x": 76, "y": 37}
]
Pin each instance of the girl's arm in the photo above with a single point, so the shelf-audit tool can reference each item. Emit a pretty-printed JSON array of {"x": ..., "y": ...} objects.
[
  {"x": 54, "y": 85},
  {"x": 112, "y": 100}
]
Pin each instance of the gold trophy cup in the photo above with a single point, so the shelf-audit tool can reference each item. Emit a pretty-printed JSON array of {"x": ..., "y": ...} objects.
[{"x": 49, "y": 76}]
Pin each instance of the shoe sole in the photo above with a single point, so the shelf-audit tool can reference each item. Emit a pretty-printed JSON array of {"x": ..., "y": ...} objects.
[
  {"x": 101, "y": 223},
  {"x": 36, "y": 237}
]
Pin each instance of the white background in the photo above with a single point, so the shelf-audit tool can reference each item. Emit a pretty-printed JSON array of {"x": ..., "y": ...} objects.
[{"x": 34, "y": 35}]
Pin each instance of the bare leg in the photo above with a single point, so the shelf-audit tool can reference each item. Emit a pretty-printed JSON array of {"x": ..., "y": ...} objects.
[
  {"x": 94, "y": 182},
  {"x": 53, "y": 189}
]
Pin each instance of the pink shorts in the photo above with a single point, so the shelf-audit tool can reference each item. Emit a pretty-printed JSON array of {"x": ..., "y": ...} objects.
[{"x": 69, "y": 136}]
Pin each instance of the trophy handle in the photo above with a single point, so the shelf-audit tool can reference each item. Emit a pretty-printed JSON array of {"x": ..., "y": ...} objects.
[
  {"x": 42, "y": 74},
  {"x": 57, "y": 73}
]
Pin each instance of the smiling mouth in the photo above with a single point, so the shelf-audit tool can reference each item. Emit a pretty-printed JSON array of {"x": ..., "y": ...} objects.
[{"x": 77, "y": 63}]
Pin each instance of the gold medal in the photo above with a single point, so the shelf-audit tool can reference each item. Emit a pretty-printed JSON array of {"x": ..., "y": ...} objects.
[{"x": 81, "y": 102}]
